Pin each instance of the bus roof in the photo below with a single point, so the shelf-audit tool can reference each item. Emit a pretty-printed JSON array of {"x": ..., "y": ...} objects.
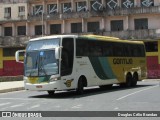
[
  {"x": 111, "y": 39},
  {"x": 90, "y": 37},
  {"x": 100, "y": 37},
  {"x": 52, "y": 36}
]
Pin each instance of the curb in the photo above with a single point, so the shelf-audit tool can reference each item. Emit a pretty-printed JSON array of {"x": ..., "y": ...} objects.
[
  {"x": 11, "y": 89},
  {"x": 10, "y": 78}
]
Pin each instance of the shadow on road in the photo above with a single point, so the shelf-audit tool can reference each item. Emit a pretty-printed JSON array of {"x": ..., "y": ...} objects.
[{"x": 87, "y": 92}]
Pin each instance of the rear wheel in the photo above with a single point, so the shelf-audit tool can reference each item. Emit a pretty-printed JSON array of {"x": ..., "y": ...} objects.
[
  {"x": 51, "y": 92},
  {"x": 128, "y": 80},
  {"x": 134, "y": 80}
]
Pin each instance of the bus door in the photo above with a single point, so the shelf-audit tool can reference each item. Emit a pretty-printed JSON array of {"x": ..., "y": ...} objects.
[{"x": 67, "y": 60}]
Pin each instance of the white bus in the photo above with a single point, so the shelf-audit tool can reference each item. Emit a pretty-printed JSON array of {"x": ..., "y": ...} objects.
[{"x": 72, "y": 62}]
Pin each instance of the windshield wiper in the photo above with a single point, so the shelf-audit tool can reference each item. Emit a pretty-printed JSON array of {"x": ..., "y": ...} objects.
[
  {"x": 37, "y": 64},
  {"x": 41, "y": 67}
]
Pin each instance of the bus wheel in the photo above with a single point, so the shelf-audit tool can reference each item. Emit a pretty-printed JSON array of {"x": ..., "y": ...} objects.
[
  {"x": 128, "y": 80},
  {"x": 134, "y": 80},
  {"x": 80, "y": 86},
  {"x": 51, "y": 92}
]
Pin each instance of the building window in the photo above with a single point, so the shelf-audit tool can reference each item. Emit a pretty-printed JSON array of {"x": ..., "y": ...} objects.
[
  {"x": 55, "y": 29},
  {"x": 52, "y": 8},
  {"x": 76, "y": 27},
  {"x": 93, "y": 26},
  {"x": 38, "y": 30},
  {"x": 7, "y": 12},
  {"x": 116, "y": 25},
  {"x": 37, "y": 10},
  {"x": 96, "y": 5},
  {"x": 141, "y": 24},
  {"x": 111, "y": 4},
  {"x": 7, "y": 31},
  {"x": 127, "y": 3},
  {"x": 66, "y": 7},
  {"x": 21, "y": 30},
  {"x": 81, "y": 6},
  {"x": 147, "y": 3},
  {"x": 21, "y": 11}
]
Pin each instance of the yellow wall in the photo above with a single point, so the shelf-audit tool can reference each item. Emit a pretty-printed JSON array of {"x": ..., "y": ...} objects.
[
  {"x": 5, "y": 58},
  {"x": 155, "y": 53},
  {"x": 152, "y": 53}
]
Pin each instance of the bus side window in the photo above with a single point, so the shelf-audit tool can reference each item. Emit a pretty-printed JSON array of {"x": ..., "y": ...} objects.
[
  {"x": 118, "y": 49},
  {"x": 82, "y": 47},
  {"x": 107, "y": 49}
]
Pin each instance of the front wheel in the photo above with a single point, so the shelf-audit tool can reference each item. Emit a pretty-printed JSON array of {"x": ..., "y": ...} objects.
[
  {"x": 80, "y": 87},
  {"x": 51, "y": 92}
]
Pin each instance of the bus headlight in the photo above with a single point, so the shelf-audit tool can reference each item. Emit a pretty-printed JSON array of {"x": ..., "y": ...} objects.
[{"x": 54, "y": 79}]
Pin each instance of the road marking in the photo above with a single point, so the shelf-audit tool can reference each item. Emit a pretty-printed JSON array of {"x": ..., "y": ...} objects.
[
  {"x": 35, "y": 106},
  {"x": 116, "y": 108},
  {"x": 77, "y": 106},
  {"x": 18, "y": 105},
  {"x": 5, "y": 108},
  {"x": 2, "y": 104},
  {"x": 136, "y": 92}
]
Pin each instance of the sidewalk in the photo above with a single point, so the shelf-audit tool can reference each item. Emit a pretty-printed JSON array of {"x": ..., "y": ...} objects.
[{"x": 11, "y": 86}]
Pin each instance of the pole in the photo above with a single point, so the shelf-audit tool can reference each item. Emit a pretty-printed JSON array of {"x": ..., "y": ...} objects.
[{"x": 43, "y": 19}]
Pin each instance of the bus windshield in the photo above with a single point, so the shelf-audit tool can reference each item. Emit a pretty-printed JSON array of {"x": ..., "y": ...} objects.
[{"x": 40, "y": 58}]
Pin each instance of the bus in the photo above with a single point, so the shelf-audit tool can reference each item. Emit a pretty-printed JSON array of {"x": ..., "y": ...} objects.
[
  {"x": 153, "y": 58},
  {"x": 72, "y": 62}
]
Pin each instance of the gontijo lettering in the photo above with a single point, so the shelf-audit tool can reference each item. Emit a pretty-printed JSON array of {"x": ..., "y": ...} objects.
[{"x": 122, "y": 61}]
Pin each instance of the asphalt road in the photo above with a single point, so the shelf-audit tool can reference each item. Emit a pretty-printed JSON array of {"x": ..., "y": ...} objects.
[{"x": 144, "y": 97}]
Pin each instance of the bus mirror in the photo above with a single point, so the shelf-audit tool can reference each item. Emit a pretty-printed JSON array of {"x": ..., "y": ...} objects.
[
  {"x": 17, "y": 55},
  {"x": 57, "y": 53}
]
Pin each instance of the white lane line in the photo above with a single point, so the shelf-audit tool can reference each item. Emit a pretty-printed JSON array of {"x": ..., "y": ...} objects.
[
  {"x": 18, "y": 105},
  {"x": 77, "y": 106},
  {"x": 136, "y": 92},
  {"x": 34, "y": 106},
  {"x": 3, "y": 104},
  {"x": 116, "y": 108},
  {"x": 5, "y": 108}
]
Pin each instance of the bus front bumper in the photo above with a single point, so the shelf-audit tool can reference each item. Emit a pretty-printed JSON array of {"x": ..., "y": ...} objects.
[{"x": 56, "y": 85}]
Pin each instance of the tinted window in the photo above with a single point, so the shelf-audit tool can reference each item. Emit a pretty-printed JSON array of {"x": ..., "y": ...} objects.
[{"x": 104, "y": 49}]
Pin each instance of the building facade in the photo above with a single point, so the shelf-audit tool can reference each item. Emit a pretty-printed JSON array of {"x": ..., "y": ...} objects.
[{"x": 127, "y": 19}]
